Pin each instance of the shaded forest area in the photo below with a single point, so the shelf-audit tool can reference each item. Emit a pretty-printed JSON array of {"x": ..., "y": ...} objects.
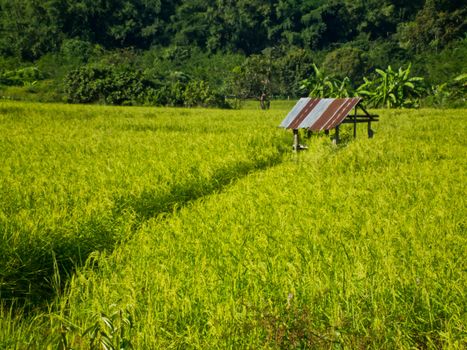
[{"x": 198, "y": 52}]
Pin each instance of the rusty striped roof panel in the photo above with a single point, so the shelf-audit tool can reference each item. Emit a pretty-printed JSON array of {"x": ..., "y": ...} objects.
[
  {"x": 319, "y": 114},
  {"x": 310, "y": 105},
  {"x": 294, "y": 112}
]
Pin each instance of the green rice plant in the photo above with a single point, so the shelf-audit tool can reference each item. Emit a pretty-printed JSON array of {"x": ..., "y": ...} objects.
[
  {"x": 356, "y": 246},
  {"x": 75, "y": 180}
]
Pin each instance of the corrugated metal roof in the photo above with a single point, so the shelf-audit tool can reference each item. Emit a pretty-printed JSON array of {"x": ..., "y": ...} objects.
[{"x": 319, "y": 114}]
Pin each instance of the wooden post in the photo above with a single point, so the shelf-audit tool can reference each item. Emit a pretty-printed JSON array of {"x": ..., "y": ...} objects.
[
  {"x": 296, "y": 140},
  {"x": 370, "y": 118},
  {"x": 336, "y": 139},
  {"x": 355, "y": 123},
  {"x": 370, "y": 132}
]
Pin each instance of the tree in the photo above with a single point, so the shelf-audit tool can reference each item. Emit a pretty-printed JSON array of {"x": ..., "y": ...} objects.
[
  {"x": 30, "y": 28},
  {"x": 190, "y": 23},
  {"x": 293, "y": 65},
  {"x": 346, "y": 62},
  {"x": 256, "y": 77},
  {"x": 119, "y": 23},
  {"x": 437, "y": 24}
]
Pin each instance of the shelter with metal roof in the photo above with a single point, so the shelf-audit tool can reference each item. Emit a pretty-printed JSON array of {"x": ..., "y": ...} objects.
[{"x": 324, "y": 114}]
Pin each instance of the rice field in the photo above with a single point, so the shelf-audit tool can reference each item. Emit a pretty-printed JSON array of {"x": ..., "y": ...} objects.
[{"x": 153, "y": 228}]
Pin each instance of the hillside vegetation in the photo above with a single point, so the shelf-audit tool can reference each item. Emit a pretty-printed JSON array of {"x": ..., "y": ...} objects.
[{"x": 194, "y": 53}]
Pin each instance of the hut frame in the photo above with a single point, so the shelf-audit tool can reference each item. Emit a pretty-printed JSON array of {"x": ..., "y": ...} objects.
[{"x": 315, "y": 115}]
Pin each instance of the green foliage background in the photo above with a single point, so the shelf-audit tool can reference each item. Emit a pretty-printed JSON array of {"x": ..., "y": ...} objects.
[{"x": 218, "y": 42}]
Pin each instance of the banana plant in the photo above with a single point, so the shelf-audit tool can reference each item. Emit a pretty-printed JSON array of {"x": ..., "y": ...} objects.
[
  {"x": 323, "y": 85},
  {"x": 393, "y": 89},
  {"x": 27, "y": 76},
  {"x": 450, "y": 93},
  {"x": 460, "y": 82}
]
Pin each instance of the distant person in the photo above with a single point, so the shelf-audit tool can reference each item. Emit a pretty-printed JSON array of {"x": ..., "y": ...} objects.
[{"x": 264, "y": 101}]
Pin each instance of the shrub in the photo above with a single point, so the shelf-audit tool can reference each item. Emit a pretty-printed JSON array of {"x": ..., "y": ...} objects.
[
  {"x": 450, "y": 94},
  {"x": 84, "y": 85},
  {"x": 124, "y": 86},
  {"x": 196, "y": 93},
  {"x": 76, "y": 51},
  {"x": 108, "y": 85},
  {"x": 199, "y": 93},
  {"x": 42, "y": 91},
  {"x": 21, "y": 77},
  {"x": 169, "y": 95}
]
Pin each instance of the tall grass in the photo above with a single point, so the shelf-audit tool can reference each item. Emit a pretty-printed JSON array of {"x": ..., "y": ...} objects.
[
  {"x": 356, "y": 246},
  {"x": 75, "y": 180}
]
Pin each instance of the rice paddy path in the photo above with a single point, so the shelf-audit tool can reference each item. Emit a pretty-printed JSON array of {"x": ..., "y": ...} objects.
[{"x": 35, "y": 289}]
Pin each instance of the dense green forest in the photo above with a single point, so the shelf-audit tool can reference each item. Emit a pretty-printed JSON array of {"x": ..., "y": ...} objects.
[{"x": 193, "y": 52}]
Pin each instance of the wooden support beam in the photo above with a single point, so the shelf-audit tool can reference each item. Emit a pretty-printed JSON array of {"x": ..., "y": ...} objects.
[
  {"x": 296, "y": 140},
  {"x": 364, "y": 110},
  {"x": 371, "y": 116},
  {"x": 355, "y": 123},
  {"x": 370, "y": 132},
  {"x": 349, "y": 121},
  {"x": 336, "y": 139}
]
